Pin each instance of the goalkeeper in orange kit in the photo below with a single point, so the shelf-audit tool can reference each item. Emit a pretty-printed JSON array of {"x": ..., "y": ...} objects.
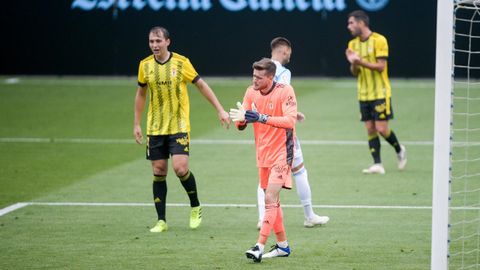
[{"x": 272, "y": 110}]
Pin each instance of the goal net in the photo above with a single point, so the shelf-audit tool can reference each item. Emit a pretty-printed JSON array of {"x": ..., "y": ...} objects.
[{"x": 464, "y": 207}]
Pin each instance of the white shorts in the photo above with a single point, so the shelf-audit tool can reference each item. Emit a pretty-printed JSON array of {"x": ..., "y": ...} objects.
[{"x": 297, "y": 154}]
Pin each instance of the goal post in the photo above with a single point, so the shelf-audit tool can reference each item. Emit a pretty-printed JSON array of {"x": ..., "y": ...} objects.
[
  {"x": 456, "y": 167},
  {"x": 442, "y": 135}
]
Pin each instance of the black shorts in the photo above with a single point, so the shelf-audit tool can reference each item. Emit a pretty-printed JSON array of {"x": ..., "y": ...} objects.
[
  {"x": 163, "y": 146},
  {"x": 377, "y": 110}
]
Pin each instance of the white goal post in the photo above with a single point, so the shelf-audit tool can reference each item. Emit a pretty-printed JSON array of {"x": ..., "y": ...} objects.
[
  {"x": 442, "y": 133},
  {"x": 456, "y": 167}
]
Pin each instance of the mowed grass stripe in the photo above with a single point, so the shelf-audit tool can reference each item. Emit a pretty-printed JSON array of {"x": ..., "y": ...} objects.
[{"x": 194, "y": 141}]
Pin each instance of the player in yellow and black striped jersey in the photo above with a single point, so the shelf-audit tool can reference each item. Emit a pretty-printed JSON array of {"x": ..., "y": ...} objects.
[
  {"x": 168, "y": 112},
  {"x": 164, "y": 75},
  {"x": 368, "y": 54},
  {"x": 372, "y": 84}
]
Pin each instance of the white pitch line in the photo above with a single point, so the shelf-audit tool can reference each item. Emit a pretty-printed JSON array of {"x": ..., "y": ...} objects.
[
  {"x": 404, "y": 207},
  {"x": 135, "y": 204},
  {"x": 229, "y": 205},
  {"x": 12, "y": 208},
  {"x": 194, "y": 141},
  {"x": 19, "y": 205}
]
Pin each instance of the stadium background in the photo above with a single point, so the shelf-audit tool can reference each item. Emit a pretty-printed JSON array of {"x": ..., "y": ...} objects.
[{"x": 52, "y": 38}]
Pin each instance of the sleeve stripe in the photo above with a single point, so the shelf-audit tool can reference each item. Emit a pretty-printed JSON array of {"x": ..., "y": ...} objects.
[
  {"x": 141, "y": 84},
  {"x": 195, "y": 80}
]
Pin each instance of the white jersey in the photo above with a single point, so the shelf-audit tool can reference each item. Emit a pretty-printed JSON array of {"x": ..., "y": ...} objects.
[{"x": 282, "y": 74}]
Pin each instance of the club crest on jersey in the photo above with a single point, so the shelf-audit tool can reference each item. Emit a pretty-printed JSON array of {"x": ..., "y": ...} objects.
[
  {"x": 370, "y": 49},
  {"x": 174, "y": 72},
  {"x": 270, "y": 106}
]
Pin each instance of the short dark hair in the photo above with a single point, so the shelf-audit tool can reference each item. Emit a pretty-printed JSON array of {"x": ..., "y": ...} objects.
[
  {"x": 164, "y": 31},
  {"x": 265, "y": 64},
  {"x": 360, "y": 15},
  {"x": 280, "y": 41}
]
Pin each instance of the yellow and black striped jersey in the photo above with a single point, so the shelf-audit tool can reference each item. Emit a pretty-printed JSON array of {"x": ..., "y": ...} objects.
[
  {"x": 169, "y": 106},
  {"x": 372, "y": 84}
]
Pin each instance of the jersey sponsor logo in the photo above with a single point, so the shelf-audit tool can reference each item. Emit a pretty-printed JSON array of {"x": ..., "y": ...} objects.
[
  {"x": 290, "y": 101},
  {"x": 206, "y": 5},
  {"x": 372, "y": 5},
  {"x": 161, "y": 83}
]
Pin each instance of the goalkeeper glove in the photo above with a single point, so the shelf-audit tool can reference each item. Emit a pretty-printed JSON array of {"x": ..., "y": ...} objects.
[
  {"x": 237, "y": 115},
  {"x": 252, "y": 116}
]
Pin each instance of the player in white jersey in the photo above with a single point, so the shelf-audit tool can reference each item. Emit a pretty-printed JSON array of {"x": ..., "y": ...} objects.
[{"x": 281, "y": 52}]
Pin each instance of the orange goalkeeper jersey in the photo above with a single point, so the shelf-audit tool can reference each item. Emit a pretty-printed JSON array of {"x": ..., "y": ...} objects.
[{"x": 273, "y": 140}]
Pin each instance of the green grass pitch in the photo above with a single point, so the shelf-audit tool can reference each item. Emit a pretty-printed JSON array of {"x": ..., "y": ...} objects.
[{"x": 42, "y": 162}]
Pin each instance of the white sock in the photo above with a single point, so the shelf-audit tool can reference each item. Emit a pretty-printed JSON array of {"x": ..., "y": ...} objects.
[
  {"x": 283, "y": 244},
  {"x": 304, "y": 192},
  {"x": 261, "y": 247},
  {"x": 261, "y": 202}
]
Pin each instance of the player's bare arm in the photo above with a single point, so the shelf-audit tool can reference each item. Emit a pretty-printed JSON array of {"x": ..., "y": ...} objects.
[
  {"x": 140, "y": 99},
  {"x": 208, "y": 93},
  {"x": 378, "y": 66}
]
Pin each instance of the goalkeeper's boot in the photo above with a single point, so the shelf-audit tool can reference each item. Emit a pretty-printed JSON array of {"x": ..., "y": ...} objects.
[
  {"x": 254, "y": 253},
  {"x": 315, "y": 220},
  {"x": 195, "y": 217},
  {"x": 402, "y": 158},
  {"x": 376, "y": 168},
  {"x": 277, "y": 251},
  {"x": 161, "y": 226}
]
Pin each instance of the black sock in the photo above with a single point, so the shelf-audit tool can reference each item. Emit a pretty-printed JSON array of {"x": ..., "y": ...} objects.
[
  {"x": 374, "y": 145},
  {"x": 393, "y": 141},
  {"x": 190, "y": 186},
  {"x": 160, "y": 195}
]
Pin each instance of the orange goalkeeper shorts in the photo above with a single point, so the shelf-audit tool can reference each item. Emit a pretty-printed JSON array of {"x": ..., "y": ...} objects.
[{"x": 277, "y": 174}]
